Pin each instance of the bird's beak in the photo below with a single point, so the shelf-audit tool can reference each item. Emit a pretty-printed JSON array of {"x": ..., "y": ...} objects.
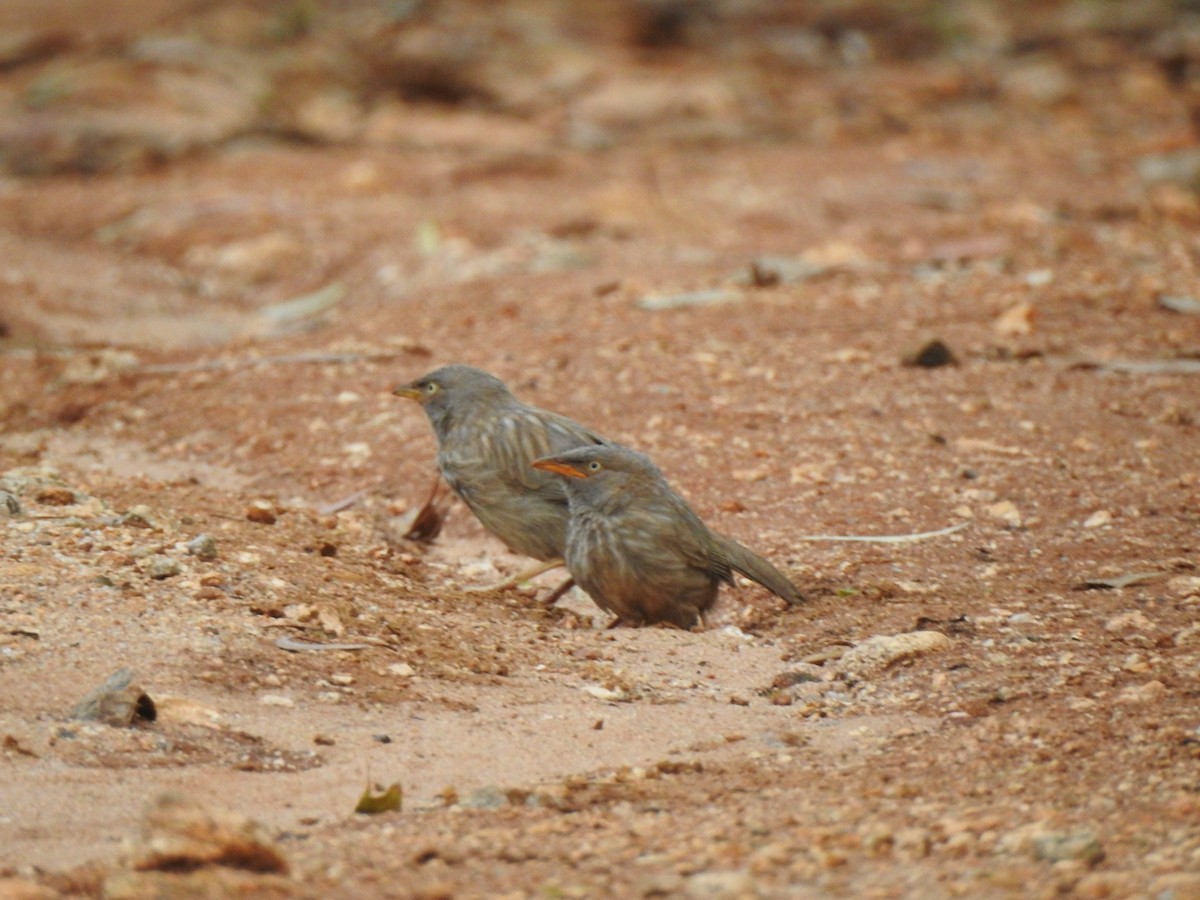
[
  {"x": 558, "y": 468},
  {"x": 407, "y": 390}
]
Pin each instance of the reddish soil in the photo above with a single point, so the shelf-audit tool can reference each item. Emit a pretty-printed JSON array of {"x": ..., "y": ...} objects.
[{"x": 1007, "y": 189}]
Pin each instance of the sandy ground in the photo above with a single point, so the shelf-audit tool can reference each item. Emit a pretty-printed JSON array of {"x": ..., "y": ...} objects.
[{"x": 720, "y": 259}]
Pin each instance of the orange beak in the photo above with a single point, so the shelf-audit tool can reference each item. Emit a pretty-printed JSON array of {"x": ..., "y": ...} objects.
[
  {"x": 558, "y": 468},
  {"x": 407, "y": 390}
]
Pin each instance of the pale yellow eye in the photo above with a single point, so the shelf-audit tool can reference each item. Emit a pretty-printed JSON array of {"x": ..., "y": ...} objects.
[{"x": 594, "y": 466}]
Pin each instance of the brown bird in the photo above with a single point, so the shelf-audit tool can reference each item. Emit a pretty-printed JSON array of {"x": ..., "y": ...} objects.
[
  {"x": 487, "y": 440},
  {"x": 638, "y": 549}
]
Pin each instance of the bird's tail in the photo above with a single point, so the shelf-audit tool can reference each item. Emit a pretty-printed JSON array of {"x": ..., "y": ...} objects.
[{"x": 758, "y": 569}]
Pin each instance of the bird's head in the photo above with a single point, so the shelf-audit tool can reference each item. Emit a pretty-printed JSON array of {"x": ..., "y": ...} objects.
[
  {"x": 600, "y": 471},
  {"x": 451, "y": 389}
]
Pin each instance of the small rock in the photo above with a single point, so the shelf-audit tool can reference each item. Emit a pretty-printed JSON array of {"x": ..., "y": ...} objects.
[
  {"x": 1006, "y": 511},
  {"x": 202, "y": 546},
  {"x": 9, "y": 504},
  {"x": 263, "y": 512},
  {"x": 1098, "y": 518},
  {"x": 603, "y": 693},
  {"x": 490, "y": 797},
  {"x": 913, "y": 843},
  {"x": 402, "y": 670},
  {"x": 139, "y": 516},
  {"x": 1130, "y": 621},
  {"x": 117, "y": 702},
  {"x": 54, "y": 495},
  {"x": 720, "y": 885},
  {"x": 930, "y": 356},
  {"x": 1054, "y": 846},
  {"x": 877, "y": 653},
  {"x": 181, "y": 834},
  {"x": 96, "y": 366},
  {"x": 342, "y": 679},
  {"x": 1017, "y": 321},
  {"x": 1142, "y": 693},
  {"x": 276, "y": 700},
  {"x": 159, "y": 566}
]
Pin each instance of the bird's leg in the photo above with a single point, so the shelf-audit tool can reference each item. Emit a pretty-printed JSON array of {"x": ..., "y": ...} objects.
[
  {"x": 555, "y": 595},
  {"x": 519, "y": 578}
]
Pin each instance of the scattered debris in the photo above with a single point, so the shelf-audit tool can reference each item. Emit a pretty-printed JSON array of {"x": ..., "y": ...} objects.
[
  {"x": 424, "y": 524},
  {"x": 295, "y": 646},
  {"x": 1123, "y": 581},
  {"x": 768, "y": 271},
  {"x": 388, "y": 799}
]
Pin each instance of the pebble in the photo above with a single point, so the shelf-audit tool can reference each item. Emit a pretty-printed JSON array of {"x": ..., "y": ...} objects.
[
  {"x": 1006, "y": 511},
  {"x": 202, "y": 546},
  {"x": 276, "y": 700},
  {"x": 1142, "y": 693},
  {"x": 262, "y": 512},
  {"x": 1054, "y": 846},
  {"x": 879, "y": 652},
  {"x": 489, "y": 797},
  {"x": 159, "y": 566},
  {"x": 719, "y": 885},
  {"x": 931, "y": 355},
  {"x": 402, "y": 669},
  {"x": 1130, "y": 621},
  {"x": 1097, "y": 519}
]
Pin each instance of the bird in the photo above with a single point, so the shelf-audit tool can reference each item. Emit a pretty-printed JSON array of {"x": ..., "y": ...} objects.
[
  {"x": 638, "y": 549},
  {"x": 487, "y": 442}
]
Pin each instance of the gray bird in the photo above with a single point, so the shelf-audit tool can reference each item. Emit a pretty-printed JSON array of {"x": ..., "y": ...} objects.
[
  {"x": 638, "y": 549},
  {"x": 487, "y": 441}
]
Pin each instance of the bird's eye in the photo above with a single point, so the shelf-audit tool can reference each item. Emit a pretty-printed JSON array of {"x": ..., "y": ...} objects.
[
  {"x": 431, "y": 388},
  {"x": 594, "y": 466}
]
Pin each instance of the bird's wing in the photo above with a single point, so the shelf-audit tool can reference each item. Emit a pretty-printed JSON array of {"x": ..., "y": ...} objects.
[
  {"x": 718, "y": 555},
  {"x": 684, "y": 531},
  {"x": 524, "y": 434}
]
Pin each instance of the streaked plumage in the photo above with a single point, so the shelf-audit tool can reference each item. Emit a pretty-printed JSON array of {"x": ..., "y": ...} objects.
[
  {"x": 638, "y": 549},
  {"x": 487, "y": 440}
]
